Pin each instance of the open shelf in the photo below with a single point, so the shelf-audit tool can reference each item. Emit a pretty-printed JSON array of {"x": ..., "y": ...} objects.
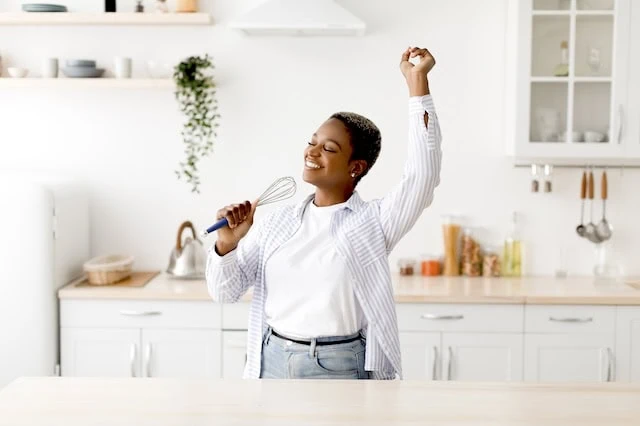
[
  {"x": 75, "y": 83},
  {"x": 115, "y": 18}
]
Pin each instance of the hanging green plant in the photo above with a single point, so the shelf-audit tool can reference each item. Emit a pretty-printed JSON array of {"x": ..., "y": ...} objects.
[{"x": 196, "y": 94}]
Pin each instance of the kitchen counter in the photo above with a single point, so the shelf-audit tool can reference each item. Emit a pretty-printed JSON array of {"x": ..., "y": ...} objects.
[
  {"x": 163, "y": 402},
  {"x": 413, "y": 289}
]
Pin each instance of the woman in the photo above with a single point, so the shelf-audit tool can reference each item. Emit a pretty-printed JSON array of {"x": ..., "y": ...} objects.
[{"x": 322, "y": 302}]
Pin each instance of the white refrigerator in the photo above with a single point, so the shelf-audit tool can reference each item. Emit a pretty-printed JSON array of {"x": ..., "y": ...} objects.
[{"x": 44, "y": 240}]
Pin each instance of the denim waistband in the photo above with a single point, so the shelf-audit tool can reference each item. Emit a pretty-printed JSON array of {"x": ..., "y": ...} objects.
[{"x": 316, "y": 340}]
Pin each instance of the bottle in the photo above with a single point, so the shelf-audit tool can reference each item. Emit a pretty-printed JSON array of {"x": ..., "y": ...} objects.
[
  {"x": 512, "y": 257},
  {"x": 562, "y": 69}
]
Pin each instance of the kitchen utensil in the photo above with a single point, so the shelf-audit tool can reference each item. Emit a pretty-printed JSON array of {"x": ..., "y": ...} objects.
[
  {"x": 590, "y": 230},
  {"x": 108, "y": 269},
  {"x": 188, "y": 257},
  {"x": 17, "y": 72},
  {"x": 603, "y": 229},
  {"x": 279, "y": 190},
  {"x": 82, "y": 72},
  {"x": 580, "y": 229},
  {"x": 122, "y": 67}
]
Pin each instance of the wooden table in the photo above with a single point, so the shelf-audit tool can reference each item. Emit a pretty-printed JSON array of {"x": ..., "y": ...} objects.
[{"x": 161, "y": 402}]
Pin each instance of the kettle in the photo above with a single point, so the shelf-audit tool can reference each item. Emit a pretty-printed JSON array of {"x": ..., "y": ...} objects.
[{"x": 188, "y": 258}]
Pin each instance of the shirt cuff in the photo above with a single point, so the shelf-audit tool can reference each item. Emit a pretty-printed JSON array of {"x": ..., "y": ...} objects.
[
  {"x": 217, "y": 260},
  {"x": 420, "y": 104}
]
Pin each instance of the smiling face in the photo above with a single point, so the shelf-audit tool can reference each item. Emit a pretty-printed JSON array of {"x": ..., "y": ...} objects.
[{"x": 327, "y": 157}]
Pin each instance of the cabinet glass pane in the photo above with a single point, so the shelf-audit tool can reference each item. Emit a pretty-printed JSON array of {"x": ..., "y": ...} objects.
[
  {"x": 594, "y": 45},
  {"x": 548, "y": 112},
  {"x": 549, "y": 32},
  {"x": 595, "y": 4},
  {"x": 551, "y": 4},
  {"x": 591, "y": 112}
]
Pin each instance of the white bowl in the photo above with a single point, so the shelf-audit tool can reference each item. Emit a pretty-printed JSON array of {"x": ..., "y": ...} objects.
[
  {"x": 17, "y": 72},
  {"x": 591, "y": 136},
  {"x": 160, "y": 69},
  {"x": 575, "y": 136}
]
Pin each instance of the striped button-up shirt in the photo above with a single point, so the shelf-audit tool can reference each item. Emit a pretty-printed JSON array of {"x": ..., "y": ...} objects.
[{"x": 364, "y": 234}]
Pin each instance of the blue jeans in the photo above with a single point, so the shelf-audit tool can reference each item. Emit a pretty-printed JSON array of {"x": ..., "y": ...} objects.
[{"x": 284, "y": 359}]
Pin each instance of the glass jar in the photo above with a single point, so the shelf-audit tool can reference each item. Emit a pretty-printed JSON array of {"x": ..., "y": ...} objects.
[
  {"x": 471, "y": 258},
  {"x": 491, "y": 266},
  {"x": 451, "y": 234},
  {"x": 430, "y": 265},
  {"x": 407, "y": 266}
]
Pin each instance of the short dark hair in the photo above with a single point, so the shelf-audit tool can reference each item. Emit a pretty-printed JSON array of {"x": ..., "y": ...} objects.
[{"x": 365, "y": 138}]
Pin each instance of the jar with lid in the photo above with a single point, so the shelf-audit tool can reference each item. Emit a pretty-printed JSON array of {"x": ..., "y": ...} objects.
[
  {"x": 451, "y": 235},
  {"x": 471, "y": 258},
  {"x": 430, "y": 265},
  {"x": 491, "y": 262},
  {"x": 407, "y": 266}
]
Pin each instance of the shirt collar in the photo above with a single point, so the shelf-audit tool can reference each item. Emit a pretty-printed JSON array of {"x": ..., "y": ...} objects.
[{"x": 354, "y": 203}]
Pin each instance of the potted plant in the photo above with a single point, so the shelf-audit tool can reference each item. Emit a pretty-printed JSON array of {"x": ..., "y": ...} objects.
[{"x": 196, "y": 95}]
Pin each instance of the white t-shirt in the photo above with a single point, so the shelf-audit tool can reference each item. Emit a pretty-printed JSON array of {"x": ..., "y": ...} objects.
[{"x": 309, "y": 290}]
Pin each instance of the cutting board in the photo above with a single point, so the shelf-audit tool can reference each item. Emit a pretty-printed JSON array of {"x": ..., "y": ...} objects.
[{"x": 137, "y": 279}]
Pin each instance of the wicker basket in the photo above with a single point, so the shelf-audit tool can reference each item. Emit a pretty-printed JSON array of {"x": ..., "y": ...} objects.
[{"x": 108, "y": 269}]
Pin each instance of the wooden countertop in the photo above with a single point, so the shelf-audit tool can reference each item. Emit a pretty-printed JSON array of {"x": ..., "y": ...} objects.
[
  {"x": 414, "y": 289},
  {"x": 163, "y": 402}
]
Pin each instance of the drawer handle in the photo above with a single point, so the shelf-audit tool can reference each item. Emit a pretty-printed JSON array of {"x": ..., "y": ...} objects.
[
  {"x": 441, "y": 317},
  {"x": 589, "y": 319},
  {"x": 139, "y": 314}
]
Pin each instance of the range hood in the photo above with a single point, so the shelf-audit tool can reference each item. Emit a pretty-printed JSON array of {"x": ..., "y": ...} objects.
[{"x": 300, "y": 17}]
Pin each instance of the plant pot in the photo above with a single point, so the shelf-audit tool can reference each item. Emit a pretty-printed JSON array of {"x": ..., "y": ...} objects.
[{"x": 186, "y": 6}]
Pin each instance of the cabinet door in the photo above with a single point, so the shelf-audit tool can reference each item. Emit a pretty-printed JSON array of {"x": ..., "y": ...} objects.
[
  {"x": 181, "y": 353},
  {"x": 569, "y": 357},
  {"x": 420, "y": 355},
  {"x": 482, "y": 357},
  {"x": 234, "y": 354},
  {"x": 631, "y": 128},
  {"x": 628, "y": 344},
  {"x": 100, "y": 352},
  {"x": 577, "y": 111}
]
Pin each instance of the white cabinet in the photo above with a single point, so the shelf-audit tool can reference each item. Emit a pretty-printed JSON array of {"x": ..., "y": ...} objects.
[
  {"x": 569, "y": 357},
  {"x": 121, "y": 338},
  {"x": 482, "y": 357},
  {"x": 181, "y": 353},
  {"x": 628, "y": 344},
  {"x": 461, "y": 342},
  {"x": 579, "y": 113},
  {"x": 420, "y": 355},
  {"x": 234, "y": 353},
  {"x": 100, "y": 352}
]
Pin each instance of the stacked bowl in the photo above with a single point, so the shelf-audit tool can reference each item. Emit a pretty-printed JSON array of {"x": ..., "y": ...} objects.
[{"x": 82, "y": 68}]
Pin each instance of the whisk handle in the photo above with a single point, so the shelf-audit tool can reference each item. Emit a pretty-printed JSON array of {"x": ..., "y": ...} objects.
[{"x": 219, "y": 224}]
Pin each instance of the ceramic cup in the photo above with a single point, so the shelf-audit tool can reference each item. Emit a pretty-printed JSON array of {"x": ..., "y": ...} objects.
[
  {"x": 122, "y": 67},
  {"x": 50, "y": 68}
]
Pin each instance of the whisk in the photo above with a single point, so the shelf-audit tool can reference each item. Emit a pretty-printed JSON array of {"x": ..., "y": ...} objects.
[{"x": 279, "y": 190}]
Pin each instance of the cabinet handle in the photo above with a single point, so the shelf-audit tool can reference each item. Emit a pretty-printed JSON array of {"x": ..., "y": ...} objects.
[
  {"x": 147, "y": 361},
  {"x": 609, "y": 365},
  {"x": 449, "y": 363},
  {"x": 132, "y": 359},
  {"x": 130, "y": 313},
  {"x": 441, "y": 317},
  {"x": 620, "y": 120},
  {"x": 588, "y": 319},
  {"x": 434, "y": 369}
]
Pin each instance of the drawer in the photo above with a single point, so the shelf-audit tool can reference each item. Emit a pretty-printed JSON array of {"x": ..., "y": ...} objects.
[
  {"x": 460, "y": 317},
  {"x": 569, "y": 319},
  {"x": 140, "y": 314},
  {"x": 235, "y": 316}
]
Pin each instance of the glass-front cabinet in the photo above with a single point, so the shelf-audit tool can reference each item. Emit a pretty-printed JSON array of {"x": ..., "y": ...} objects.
[{"x": 568, "y": 66}]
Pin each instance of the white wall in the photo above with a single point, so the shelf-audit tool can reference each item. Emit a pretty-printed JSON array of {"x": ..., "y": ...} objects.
[{"x": 273, "y": 94}]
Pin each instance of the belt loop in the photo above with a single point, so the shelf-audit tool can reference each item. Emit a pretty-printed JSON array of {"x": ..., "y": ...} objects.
[
  {"x": 268, "y": 335},
  {"x": 312, "y": 348}
]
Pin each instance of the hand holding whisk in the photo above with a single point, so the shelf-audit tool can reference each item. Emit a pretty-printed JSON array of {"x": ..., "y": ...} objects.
[{"x": 279, "y": 190}]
